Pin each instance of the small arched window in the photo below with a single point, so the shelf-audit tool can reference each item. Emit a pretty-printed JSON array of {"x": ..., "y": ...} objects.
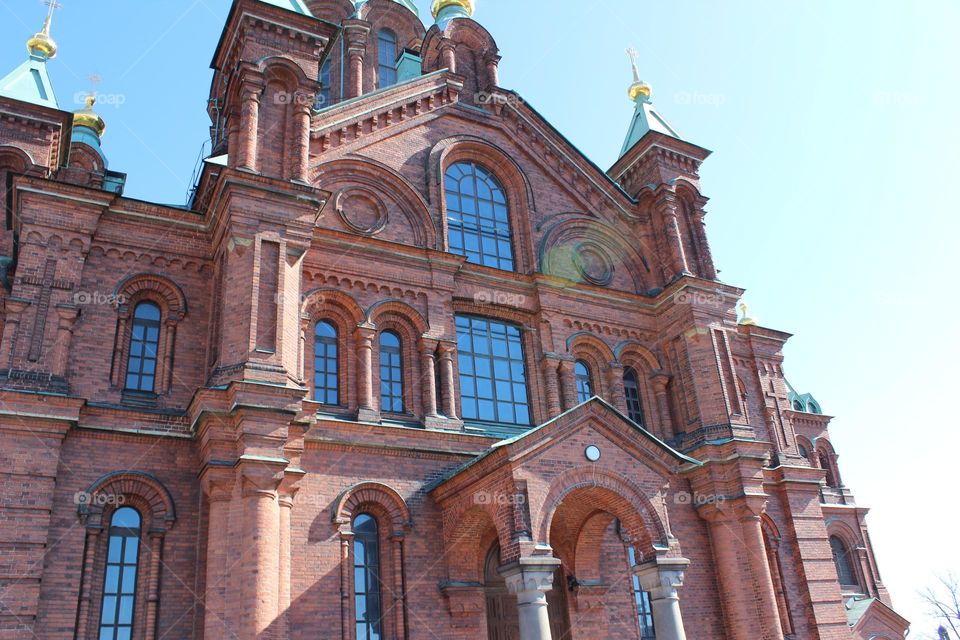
[
  {"x": 797, "y": 405},
  {"x": 386, "y": 58},
  {"x": 631, "y": 389},
  {"x": 144, "y": 344},
  {"x": 326, "y": 364},
  {"x": 366, "y": 565},
  {"x": 477, "y": 219},
  {"x": 803, "y": 451},
  {"x": 325, "y": 97},
  {"x": 841, "y": 560},
  {"x": 391, "y": 373},
  {"x": 826, "y": 465},
  {"x": 584, "y": 386},
  {"x": 120, "y": 576}
]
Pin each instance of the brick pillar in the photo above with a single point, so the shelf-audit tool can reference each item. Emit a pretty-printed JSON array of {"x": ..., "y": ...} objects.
[
  {"x": 287, "y": 493},
  {"x": 448, "y": 53},
  {"x": 568, "y": 384},
  {"x": 660, "y": 382},
  {"x": 301, "y": 133},
  {"x": 616, "y": 394},
  {"x": 249, "y": 127},
  {"x": 760, "y": 568},
  {"x": 667, "y": 206},
  {"x": 153, "y": 588},
  {"x": 14, "y": 308},
  {"x": 700, "y": 231},
  {"x": 347, "y": 628},
  {"x": 260, "y": 541},
  {"x": 90, "y": 546},
  {"x": 366, "y": 399},
  {"x": 448, "y": 380},
  {"x": 67, "y": 316},
  {"x": 355, "y": 33},
  {"x": 217, "y": 486},
  {"x": 399, "y": 605},
  {"x": 551, "y": 384},
  {"x": 735, "y": 593},
  {"x": 428, "y": 359}
]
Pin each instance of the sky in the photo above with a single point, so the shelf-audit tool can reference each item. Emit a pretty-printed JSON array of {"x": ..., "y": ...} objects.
[{"x": 833, "y": 126}]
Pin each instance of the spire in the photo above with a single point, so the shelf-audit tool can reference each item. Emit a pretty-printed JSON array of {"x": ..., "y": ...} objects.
[
  {"x": 645, "y": 117},
  {"x": 30, "y": 82},
  {"x": 446, "y": 10}
]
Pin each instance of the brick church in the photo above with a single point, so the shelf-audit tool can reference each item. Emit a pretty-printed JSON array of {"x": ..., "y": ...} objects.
[{"x": 407, "y": 366}]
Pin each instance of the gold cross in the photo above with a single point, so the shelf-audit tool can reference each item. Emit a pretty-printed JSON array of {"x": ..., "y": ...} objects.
[{"x": 633, "y": 60}]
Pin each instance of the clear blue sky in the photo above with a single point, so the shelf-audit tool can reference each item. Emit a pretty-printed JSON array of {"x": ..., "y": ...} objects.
[{"x": 835, "y": 136}]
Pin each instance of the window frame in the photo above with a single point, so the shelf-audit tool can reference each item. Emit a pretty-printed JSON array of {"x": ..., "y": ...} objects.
[
  {"x": 490, "y": 356},
  {"x": 460, "y": 232},
  {"x": 642, "y": 607},
  {"x": 382, "y": 63},
  {"x": 395, "y": 367},
  {"x": 845, "y": 557},
  {"x": 583, "y": 378},
  {"x": 146, "y": 324},
  {"x": 327, "y": 342},
  {"x": 117, "y": 593},
  {"x": 375, "y": 628},
  {"x": 630, "y": 374}
]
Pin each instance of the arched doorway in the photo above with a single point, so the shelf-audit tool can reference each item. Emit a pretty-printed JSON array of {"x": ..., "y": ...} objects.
[{"x": 503, "y": 619}]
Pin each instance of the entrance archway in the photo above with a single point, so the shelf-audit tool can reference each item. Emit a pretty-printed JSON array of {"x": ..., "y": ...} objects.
[{"x": 503, "y": 618}]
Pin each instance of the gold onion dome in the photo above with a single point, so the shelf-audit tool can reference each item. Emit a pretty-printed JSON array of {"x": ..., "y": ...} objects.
[
  {"x": 86, "y": 117},
  {"x": 440, "y": 5},
  {"x": 638, "y": 89},
  {"x": 41, "y": 44}
]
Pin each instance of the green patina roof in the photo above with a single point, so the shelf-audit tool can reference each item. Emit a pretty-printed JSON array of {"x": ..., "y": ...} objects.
[
  {"x": 297, "y": 6},
  {"x": 645, "y": 120},
  {"x": 30, "y": 82},
  {"x": 409, "y": 4},
  {"x": 856, "y": 608},
  {"x": 808, "y": 403}
]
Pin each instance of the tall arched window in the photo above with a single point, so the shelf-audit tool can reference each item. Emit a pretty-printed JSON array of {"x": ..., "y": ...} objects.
[
  {"x": 631, "y": 389},
  {"x": 477, "y": 218},
  {"x": 326, "y": 362},
  {"x": 841, "y": 560},
  {"x": 144, "y": 344},
  {"x": 391, "y": 373},
  {"x": 584, "y": 386},
  {"x": 387, "y": 58},
  {"x": 826, "y": 465},
  {"x": 325, "y": 97},
  {"x": 366, "y": 565},
  {"x": 120, "y": 577}
]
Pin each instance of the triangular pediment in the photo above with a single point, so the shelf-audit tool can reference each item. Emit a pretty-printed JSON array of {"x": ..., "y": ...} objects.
[{"x": 873, "y": 613}]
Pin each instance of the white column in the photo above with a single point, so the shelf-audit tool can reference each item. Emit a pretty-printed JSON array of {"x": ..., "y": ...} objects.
[
  {"x": 661, "y": 578},
  {"x": 529, "y": 579}
]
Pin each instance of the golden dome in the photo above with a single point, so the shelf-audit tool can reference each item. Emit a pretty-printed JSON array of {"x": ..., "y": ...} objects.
[
  {"x": 439, "y": 5},
  {"x": 638, "y": 89},
  {"x": 41, "y": 44},
  {"x": 87, "y": 118}
]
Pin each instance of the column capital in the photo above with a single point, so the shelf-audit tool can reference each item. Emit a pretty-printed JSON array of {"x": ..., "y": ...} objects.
[
  {"x": 217, "y": 483},
  {"x": 260, "y": 475},
  {"x": 662, "y": 576},
  {"x": 660, "y": 380},
  {"x": 531, "y": 577}
]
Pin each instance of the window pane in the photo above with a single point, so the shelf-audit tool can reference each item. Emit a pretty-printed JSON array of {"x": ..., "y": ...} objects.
[
  {"x": 143, "y": 348},
  {"x": 325, "y": 364},
  {"x": 477, "y": 221},
  {"x": 491, "y": 370}
]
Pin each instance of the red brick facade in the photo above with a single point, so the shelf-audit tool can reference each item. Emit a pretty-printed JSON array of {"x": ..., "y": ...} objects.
[{"x": 248, "y": 488}]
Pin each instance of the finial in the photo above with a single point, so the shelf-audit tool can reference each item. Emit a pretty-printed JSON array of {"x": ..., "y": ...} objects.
[
  {"x": 446, "y": 10},
  {"x": 746, "y": 320},
  {"x": 41, "y": 45},
  {"x": 639, "y": 89},
  {"x": 86, "y": 117}
]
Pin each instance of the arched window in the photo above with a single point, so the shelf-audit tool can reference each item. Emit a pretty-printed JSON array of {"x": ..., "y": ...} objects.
[
  {"x": 477, "y": 220},
  {"x": 584, "y": 386},
  {"x": 631, "y": 389},
  {"x": 841, "y": 560},
  {"x": 797, "y": 405},
  {"x": 493, "y": 379},
  {"x": 144, "y": 344},
  {"x": 387, "y": 58},
  {"x": 326, "y": 363},
  {"x": 120, "y": 577},
  {"x": 366, "y": 565},
  {"x": 826, "y": 465},
  {"x": 391, "y": 373},
  {"x": 641, "y": 600},
  {"x": 325, "y": 97},
  {"x": 803, "y": 451}
]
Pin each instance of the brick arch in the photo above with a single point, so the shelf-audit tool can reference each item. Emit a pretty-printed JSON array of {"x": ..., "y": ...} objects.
[
  {"x": 385, "y": 309},
  {"x": 474, "y": 49},
  {"x": 138, "y": 489},
  {"x": 346, "y": 315},
  {"x": 845, "y": 532},
  {"x": 155, "y": 287},
  {"x": 602, "y": 490},
  {"x": 323, "y": 300},
  {"x": 630, "y": 353},
  {"x": 383, "y": 180},
  {"x": 585, "y": 560},
  {"x": 516, "y": 186},
  {"x": 469, "y": 535},
  {"x": 387, "y": 14},
  {"x": 334, "y": 11},
  {"x": 14, "y": 159},
  {"x": 285, "y": 71},
  {"x": 597, "y": 355},
  {"x": 399, "y": 317},
  {"x": 375, "y": 496}
]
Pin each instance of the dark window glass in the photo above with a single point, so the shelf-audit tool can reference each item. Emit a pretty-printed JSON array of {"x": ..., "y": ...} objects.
[
  {"x": 391, "y": 373},
  {"x": 325, "y": 97},
  {"x": 144, "y": 343},
  {"x": 584, "y": 386},
  {"x": 631, "y": 389},
  {"x": 120, "y": 576},
  {"x": 641, "y": 599},
  {"x": 477, "y": 220},
  {"x": 841, "y": 559},
  {"x": 493, "y": 379},
  {"x": 366, "y": 565},
  {"x": 387, "y": 58},
  {"x": 326, "y": 371},
  {"x": 797, "y": 405}
]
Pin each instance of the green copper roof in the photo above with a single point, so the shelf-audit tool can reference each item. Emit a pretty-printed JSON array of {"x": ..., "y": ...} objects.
[
  {"x": 30, "y": 82},
  {"x": 646, "y": 119},
  {"x": 409, "y": 4},
  {"x": 297, "y": 6}
]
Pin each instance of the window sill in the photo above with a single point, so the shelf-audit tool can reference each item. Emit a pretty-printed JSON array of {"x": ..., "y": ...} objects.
[{"x": 139, "y": 398}]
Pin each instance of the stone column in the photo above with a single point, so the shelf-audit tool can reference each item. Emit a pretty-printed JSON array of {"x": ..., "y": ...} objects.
[
  {"x": 367, "y": 409},
  {"x": 661, "y": 578},
  {"x": 249, "y": 128},
  {"x": 660, "y": 382},
  {"x": 616, "y": 395},
  {"x": 428, "y": 359},
  {"x": 448, "y": 380},
  {"x": 301, "y": 148},
  {"x": 529, "y": 579},
  {"x": 217, "y": 484},
  {"x": 260, "y": 557},
  {"x": 568, "y": 384},
  {"x": 551, "y": 385}
]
